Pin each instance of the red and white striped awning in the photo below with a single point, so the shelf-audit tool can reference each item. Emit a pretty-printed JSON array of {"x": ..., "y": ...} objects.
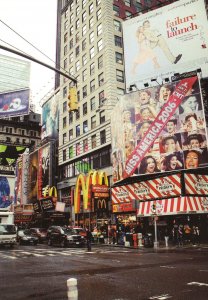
[{"x": 173, "y": 206}]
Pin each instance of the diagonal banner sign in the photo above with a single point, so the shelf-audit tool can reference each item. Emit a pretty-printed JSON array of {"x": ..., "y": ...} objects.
[{"x": 168, "y": 110}]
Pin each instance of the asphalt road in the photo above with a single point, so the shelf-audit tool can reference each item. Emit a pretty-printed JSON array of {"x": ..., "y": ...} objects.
[{"x": 107, "y": 273}]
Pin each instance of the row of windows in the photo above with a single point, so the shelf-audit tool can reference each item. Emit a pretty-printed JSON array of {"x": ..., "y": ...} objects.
[
  {"x": 77, "y": 2},
  {"x": 19, "y": 141},
  {"x": 94, "y": 161},
  {"x": 84, "y": 146},
  {"x": 12, "y": 130},
  {"x": 85, "y": 126}
]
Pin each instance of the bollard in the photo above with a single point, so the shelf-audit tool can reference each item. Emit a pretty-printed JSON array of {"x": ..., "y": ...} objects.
[
  {"x": 166, "y": 241},
  {"x": 72, "y": 289}
]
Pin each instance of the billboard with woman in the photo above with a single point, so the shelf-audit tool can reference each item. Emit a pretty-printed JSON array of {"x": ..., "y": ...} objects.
[{"x": 159, "y": 129}]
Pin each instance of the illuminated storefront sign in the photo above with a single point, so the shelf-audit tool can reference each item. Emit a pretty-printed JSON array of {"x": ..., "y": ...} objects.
[{"x": 85, "y": 185}]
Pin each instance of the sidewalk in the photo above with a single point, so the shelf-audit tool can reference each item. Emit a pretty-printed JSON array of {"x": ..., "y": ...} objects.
[{"x": 161, "y": 246}]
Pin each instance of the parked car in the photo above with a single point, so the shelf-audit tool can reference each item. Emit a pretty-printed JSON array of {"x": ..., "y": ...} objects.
[
  {"x": 25, "y": 238},
  {"x": 40, "y": 233},
  {"x": 50, "y": 229},
  {"x": 65, "y": 237},
  {"x": 80, "y": 230}
]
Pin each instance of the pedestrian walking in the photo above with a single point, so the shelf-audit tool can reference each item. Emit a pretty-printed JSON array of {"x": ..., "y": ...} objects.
[
  {"x": 195, "y": 235},
  {"x": 89, "y": 239},
  {"x": 180, "y": 235}
]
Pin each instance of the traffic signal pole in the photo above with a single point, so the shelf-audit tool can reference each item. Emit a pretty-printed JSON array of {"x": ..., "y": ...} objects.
[{"x": 38, "y": 62}]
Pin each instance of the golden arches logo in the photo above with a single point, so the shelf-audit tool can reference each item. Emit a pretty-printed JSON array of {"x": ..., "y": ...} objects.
[
  {"x": 84, "y": 184},
  {"x": 101, "y": 204}
]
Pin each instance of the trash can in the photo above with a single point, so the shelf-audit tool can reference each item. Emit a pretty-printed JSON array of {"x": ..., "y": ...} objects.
[
  {"x": 148, "y": 240},
  {"x": 129, "y": 238}
]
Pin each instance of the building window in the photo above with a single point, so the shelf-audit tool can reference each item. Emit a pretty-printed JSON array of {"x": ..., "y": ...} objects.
[
  {"x": 64, "y": 122},
  {"x": 84, "y": 30},
  {"x": 65, "y": 37},
  {"x": 100, "y": 62},
  {"x": 84, "y": 44},
  {"x": 84, "y": 3},
  {"x": 84, "y": 91},
  {"x": 92, "y": 103},
  {"x": 100, "y": 79},
  {"x": 77, "y": 130},
  {"x": 93, "y": 122},
  {"x": 98, "y": 2},
  {"x": 119, "y": 75},
  {"x": 91, "y": 8},
  {"x": 84, "y": 16},
  {"x": 91, "y": 37},
  {"x": 117, "y": 25},
  {"x": 128, "y": 13},
  {"x": 92, "y": 86},
  {"x": 85, "y": 126},
  {"x": 99, "y": 29},
  {"x": 85, "y": 145},
  {"x": 118, "y": 41},
  {"x": 77, "y": 66},
  {"x": 71, "y": 57},
  {"x": 64, "y": 92},
  {"x": 98, "y": 14},
  {"x": 77, "y": 10},
  {"x": 92, "y": 68},
  {"x": 64, "y": 138},
  {"x": 84, "y": 107},
  {"x": 78, "y": 113},
  {"x": 91, "y": 22},
  {"x": 64, "y": 106},
  {"x": 71, "y": 18},
  {"x": 70, "y": 134},
  {"x": 71, "y": 44},
  {"x": 101, "y": 98},
  {"x": 78, "y": 149},
  {"x": 119, "y": 58},
  {"x": 71, "y": 152},
  {"x": 100, "y": 45},
  {"x": 102, "y": 137},
  {"x": 92, "y": 52},
  {"x": 102, "y": 117},
  {"x": 77, "y": 38},
  {"x": 84, "y": 75},
  {"x": 127, "y": 3},
  {"x": 93, "y": 141},
  {"x": 116, "y": 10},
  {"x": 84, "y": 59},
  {"x": 77, "y": 50},
  {"x": 64, "y": 154},
  {"x": 71, "y": 71},
  {"x": 65, "y": 49},
  {"x": 71, "y": 31}
]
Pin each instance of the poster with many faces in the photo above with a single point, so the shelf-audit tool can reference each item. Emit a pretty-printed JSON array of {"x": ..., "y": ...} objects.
[{"x": 180, "y": 142}]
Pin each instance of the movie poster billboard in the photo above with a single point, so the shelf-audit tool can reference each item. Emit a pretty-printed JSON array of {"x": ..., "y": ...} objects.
[
  {"x": 172, "y": 38},
  {"x": 18, "y": 181},
  {"x": 7, "y": 184},
  {"x": 25, "y": 172},
  {"x": 50, "y": 118},
  {"x": 33, "y": 177},
  {"x": 159, "y": 129},
  {"x": 14, "y": 103},
  {"x": 44, "y": 174}
]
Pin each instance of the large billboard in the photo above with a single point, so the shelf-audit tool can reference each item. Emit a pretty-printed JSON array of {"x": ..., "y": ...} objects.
[
  {"x": 159, "y": 129},
  {"x": 172, "y": 38},
  {"x": 6, "y": 191},
  {"x": 33, "y": 177},
  {"x": 50, "y": 114},
  {"x": 14, "y": 103},
  {"x": 44, "y": 174}
]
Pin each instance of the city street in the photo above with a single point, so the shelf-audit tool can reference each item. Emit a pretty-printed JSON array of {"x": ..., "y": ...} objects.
[{"x": 106, "y": 273}]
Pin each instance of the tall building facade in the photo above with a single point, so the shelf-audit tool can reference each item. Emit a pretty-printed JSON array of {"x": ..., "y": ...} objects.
[{"x": 90, "y": 48}]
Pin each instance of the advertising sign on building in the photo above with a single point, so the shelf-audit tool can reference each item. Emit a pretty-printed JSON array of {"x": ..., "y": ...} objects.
[
  {"x": 172, "y": 38},
  {"x": 159, "y": 129},
  {"x": 14, "y": 103},
  {"x": 196, "y": 184},
  {"x": 44, "y": 169},
  {"x": 168, "y": 186},
  {"x": 50, "y": 118},
  {"x": 7, "y": 188},
  {"x": 33, "y": 177}
]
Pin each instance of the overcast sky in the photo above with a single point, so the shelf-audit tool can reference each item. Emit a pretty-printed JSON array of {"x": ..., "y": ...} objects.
[{"x": 35, "y": 20}]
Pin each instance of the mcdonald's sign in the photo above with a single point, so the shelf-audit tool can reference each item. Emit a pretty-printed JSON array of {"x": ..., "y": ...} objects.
[
  {"x": 101, "y": 204},
  {"x": 84, "y": 185}
]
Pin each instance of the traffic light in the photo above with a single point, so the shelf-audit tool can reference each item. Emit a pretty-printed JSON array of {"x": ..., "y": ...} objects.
[{"x": 73, "y": 101}]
